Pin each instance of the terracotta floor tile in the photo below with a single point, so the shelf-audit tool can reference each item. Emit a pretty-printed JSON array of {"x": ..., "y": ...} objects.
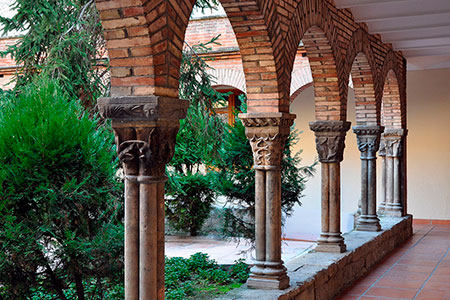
[
  {"x": 416, "y": 262},
  {"x": 392, "y": 292},
  {"x": 442, "y": 278},
  {"x": 403, "y": 276},
  {"x": 357, "y": 290},
  {"x": 366, "y": 281},
  {"x": 413, "y": 268},
  {"x": 405, "y": 271},
  {"x": 432, "y": 295},
  {"x": 404, "y": 284},
  {"x": 438, "y": 285},
  {"x": 443, "y": 271}
]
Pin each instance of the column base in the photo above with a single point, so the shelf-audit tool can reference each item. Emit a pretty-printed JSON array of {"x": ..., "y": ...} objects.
[
  {"x": 368, "y": 227},
  {"x": 368, "y": 223},
  {"x": 393, "y": 213},
  {"x": 381, "y": 208},
  {"x": 265, "y": 282},
  {"x": 331, "y": 247}
]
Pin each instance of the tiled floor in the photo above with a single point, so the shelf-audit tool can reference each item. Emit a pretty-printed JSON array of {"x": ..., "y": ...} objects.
[{"x": 419, "y": 270}]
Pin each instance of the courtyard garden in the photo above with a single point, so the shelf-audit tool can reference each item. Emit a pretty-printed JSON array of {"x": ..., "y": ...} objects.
[{"x": 61, "y": 182}]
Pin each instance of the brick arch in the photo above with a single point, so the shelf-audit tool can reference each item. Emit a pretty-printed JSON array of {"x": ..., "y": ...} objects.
[
  {"x": 361, "y": 66},
  {"x": 145, "y": 42},
  {"x": 129, "y": 47},
  {"x": 255, "y": 25},
  {"x": 295, "y": 94},
  {"x": 230, "y": 77},
  {"x": 329, "y": 100},
  {"x": 393, "y": 110},
  {"x": 300, "y": 79},
  {"x": 312, "y": 24}
]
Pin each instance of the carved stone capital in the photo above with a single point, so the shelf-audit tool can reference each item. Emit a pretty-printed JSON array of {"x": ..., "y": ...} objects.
[
  {"x": 145, "y": 129},
  {"x": 330, "y": 139},
  {"x": 368, "y": 139},
  {"x": 145, "y": 108},
  {"x": 392, "y": 140},
  {"x": 267, "y": 133}
]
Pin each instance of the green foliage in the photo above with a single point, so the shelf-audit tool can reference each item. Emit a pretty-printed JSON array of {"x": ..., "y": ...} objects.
[
  {"x": 60, "y": 199},
  {"x": 204, "y": 4},
  {"x": 62, "y": 39},
  {"x": 199, "y": 275},
  {"x": 94, "y": 290},
  {"x": 190, "y": 194},
  {"x": 235, "y": 179}
]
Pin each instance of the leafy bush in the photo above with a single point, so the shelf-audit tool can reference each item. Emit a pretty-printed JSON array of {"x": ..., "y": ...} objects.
[
  {"x": 60, "y": 199},
  {"x": 198, "y": 276},
  {"x": 189, "y": 188}
]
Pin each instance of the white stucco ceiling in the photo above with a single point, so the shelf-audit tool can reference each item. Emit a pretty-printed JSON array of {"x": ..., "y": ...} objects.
[{"x": 418, "y": 28}]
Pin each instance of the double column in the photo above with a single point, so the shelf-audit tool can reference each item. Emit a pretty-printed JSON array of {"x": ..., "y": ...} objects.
[
  {"x": 267, "y": 133},
  {"x": 392, "y": 143},
  {"x": 368, "y": 138},
  {"x": 330, "y": 144},
  {"x": 145, "y": 129}
]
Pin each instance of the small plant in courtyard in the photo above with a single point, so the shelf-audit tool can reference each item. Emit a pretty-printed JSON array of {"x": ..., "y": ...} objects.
[
  {"x": 60, "y": 199},
  {"x": 199, "y": 277}
]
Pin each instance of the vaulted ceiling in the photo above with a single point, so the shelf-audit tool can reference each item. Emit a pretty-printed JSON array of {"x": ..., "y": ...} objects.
[{"x": 418, "y": 28}]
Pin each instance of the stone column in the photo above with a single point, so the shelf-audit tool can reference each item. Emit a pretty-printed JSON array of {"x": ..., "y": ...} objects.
[
  {"x": 267, "y": 133},
  {"x": 145, "y": 129},
  {"x": 368, "y": 138},
  {"x": 382, "y": 155},
  {"x": 330, "y": 143},
  {"x": 393, "y": 140}
]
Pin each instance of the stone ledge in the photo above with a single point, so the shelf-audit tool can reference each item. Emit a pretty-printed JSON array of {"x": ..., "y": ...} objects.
[{"x": 322, "y": 276}]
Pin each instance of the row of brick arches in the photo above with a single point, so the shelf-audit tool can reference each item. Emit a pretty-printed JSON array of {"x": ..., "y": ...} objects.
[{"x": 145, "y": 43}]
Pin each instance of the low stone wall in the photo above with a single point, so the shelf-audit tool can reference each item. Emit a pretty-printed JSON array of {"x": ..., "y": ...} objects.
[{"x": 322, "y": 276}]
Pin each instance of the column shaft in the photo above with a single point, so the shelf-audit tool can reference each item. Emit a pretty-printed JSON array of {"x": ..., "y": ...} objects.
[
  {"x": 145, "y": 140},
  {"x": 148, "y": 254},
  {"x": 383, "y": 185},
  {"x": 372, "y": 189},
  {"x": 260, "y": 220},
  {"x": 394, "y": 144},
  {"x": 267, "y": 133},
  {"x": 364, "y": 188},
  {"x": 389, "y": 182},
  {"x": 325, "y": 216},
  {"x": 160, "y": 241},
  {"x": 330, "y": 144},
  {"x": 335, "y": 207},
  {"x": 396, "y": 204},
  {"x": 368, "y": 138},
  {"x": 273, "y": 216},
  {"x": 131, "y": 252}
]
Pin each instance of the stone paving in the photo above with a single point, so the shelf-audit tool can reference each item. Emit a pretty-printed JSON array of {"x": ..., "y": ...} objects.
[
  {"x": 418, "y": 270},
  {"x": 226, "y": 252}
]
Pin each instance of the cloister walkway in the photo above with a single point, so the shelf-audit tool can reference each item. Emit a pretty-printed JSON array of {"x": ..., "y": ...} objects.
[{"x": 418, "y": 270}]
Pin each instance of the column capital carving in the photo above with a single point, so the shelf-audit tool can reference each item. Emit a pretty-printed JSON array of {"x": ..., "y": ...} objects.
[
  {"x": 392, "y": 140},
  {"x": 145, "y": 130},
  {"x": 330, "y": 139},
  {"x": 368, "y": 139},
  {"x": 143, "y": 108},
  {"x": 267, "y": 133}
]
